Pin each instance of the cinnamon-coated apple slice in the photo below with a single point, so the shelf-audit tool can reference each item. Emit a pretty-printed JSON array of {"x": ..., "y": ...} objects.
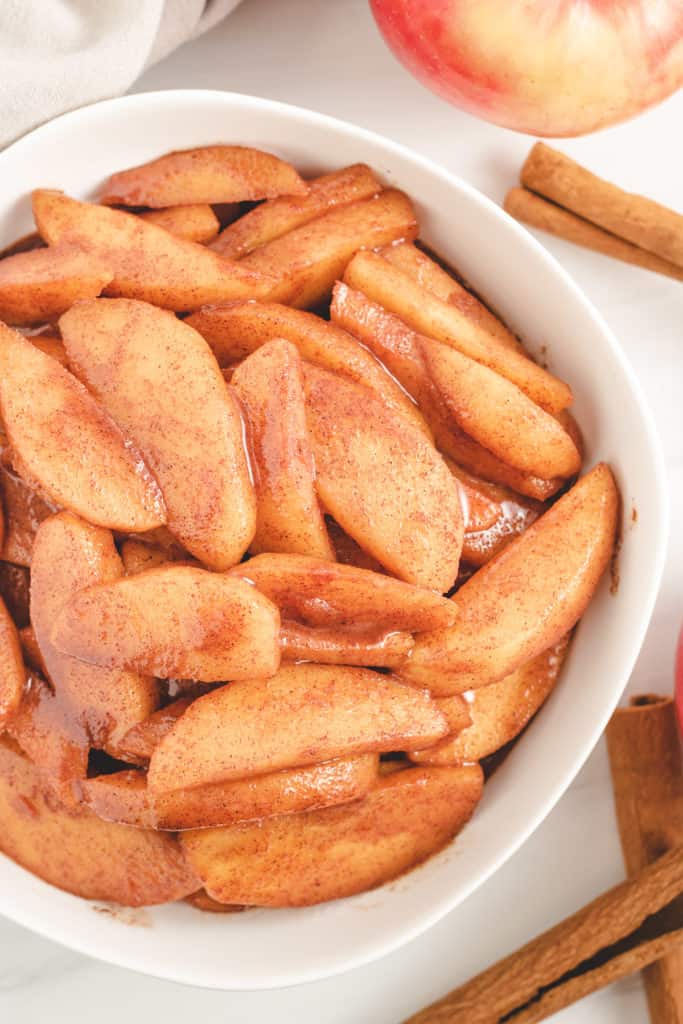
[
  {"x": 125, "y": 796},
  {"x": 42, "y": 284},
  {"x": 12, "y": 669},
  {"x": 426, "y": 313},
  {"x": 174, "y": 621},
  {"x": 72, "y": 848},
  {"x": 400, "y": 349},
  {"x": 308, "y": 260},
  {"x": 207, "y": 174},
  {"x": 494, "y": 515},
  {"x": 348, "y": 551},
  {"x": 383, "y": 482},
  {"x": 25, "y": 243},
  {"x": 51, "y": 735},
  {"x": 300, "y": 859},
  {"x": 329, "y": 711},
  {"x": 456, "y": 711},
  {"x": 138, "y": 556},
  {"x": 147, "y": 262},
  {"x": 498, "y": 712},
  {"x": 236, "y": 329},
  {"x": 472, "y": 456},
  {"x": 481, "y": 509},
  {"x": 339, "y": 645},
  {"x": 65, "y": 442},
  {"x": 159, "y": 381},
  {"x": 137, "y": 745},
  {"x": 528, "y": 597},
  {"x": 428, "y": 274},
  {"x": 70, "y": 554},
  {"x": 51, "y": 345},
  {"x": 195, "y": 223},
  {"x": 450, "y": 386},
  {"x": 322, "y": 593},
  {"x": 276, "y": 217},
  {"x": 24, "y": 511},
  {"x": 499, "y": 416},
  {"x": 270, "y": 388}
]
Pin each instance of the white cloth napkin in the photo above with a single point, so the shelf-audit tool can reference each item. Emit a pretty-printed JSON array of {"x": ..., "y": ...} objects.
[{"x": 56, "y": 55}]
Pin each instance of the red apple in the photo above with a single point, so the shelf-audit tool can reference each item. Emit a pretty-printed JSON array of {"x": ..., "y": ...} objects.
[{"x": 546, "y": 67}]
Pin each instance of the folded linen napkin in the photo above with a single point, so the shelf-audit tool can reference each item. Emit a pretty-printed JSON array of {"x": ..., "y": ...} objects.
[{"x": 56, "y": 55}]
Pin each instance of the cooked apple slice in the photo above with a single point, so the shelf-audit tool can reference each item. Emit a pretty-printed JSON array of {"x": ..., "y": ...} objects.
[
  {"x": 276, "y": 217},
  {"x": 323, "y": 593},
  {"x": 456, "y": 711},
  {"x": 494, "y": 515},
  {"x": 208, "y": 174},
  {"x": 528, "y": 597},
  {"x": 200, "y": 900},
  {"x": 394, "y": 343},
  {"x": 53, "y": 738},
  {"x": 302, "y": 859},
  {"x": 75, "y": 850},
  {"x": 339, "y": 645},
  {"x": 383, "y": 482},
  {"x": 24, "y": 244},
  {"x": 499, "y": 416},
  {"x": 173, "y": 621},
  {"x": 348, "y": 552},
  {"x": 138, "y": 743},
  {"x": 12, "y": 670},
  {"x": 138, "y": 556},
  {"x": 308, "y": 260},
  {"x": 426, "y": 313},
  {"x": 466, "y": 452},
  {"x": 479, "y": 499},
  {"x": 51, "y": 345},
  {"x": 450, "y": 386},
  {"x": 159, "y": 381},
  {"x": 24, "y": 512},
  {"x": 147, "y": 262},
  {"x": 269, "y": 385},
  {"x": 65, "y": 441},
  {"x": 399, "y": 348},
  {"x": 237, "y": 329},
  {"x": 498, "y": 712},
  {"x": 196, "y": 223},
  {"x": 126, "y": 798},
  {"x": 69, "y": 554},
  {"x": 40, "y": 285},
  {"x": 330, "y": 711},
  {"x": 429, "y": 275}
]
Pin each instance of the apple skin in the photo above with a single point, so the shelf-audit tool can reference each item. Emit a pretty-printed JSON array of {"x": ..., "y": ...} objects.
[{"x": 544, "y": 68}]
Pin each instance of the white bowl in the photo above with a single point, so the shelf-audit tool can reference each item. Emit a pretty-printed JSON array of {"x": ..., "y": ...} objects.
[{"x": 266, "y": 949}]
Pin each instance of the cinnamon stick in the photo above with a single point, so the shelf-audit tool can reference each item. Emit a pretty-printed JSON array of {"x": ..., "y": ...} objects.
[
  {"x": 526, "y": 206},
  {"x": 624, "y": 930},
  {"x": 647, "y": 775},
  {"x": 642, "y": 221}
]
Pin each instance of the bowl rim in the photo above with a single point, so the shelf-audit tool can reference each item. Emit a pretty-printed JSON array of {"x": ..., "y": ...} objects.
[{"x": 116, "y": 953}]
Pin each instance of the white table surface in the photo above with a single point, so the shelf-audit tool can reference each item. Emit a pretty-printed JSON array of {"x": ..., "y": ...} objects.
[{"x": 327, "y": 55}]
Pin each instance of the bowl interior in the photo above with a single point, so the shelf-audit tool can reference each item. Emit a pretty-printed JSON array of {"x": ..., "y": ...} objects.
[{"x": 263, "y": 949}]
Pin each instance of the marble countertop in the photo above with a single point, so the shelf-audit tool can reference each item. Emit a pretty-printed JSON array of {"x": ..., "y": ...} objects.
[{"x": 329, "y": 56}]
